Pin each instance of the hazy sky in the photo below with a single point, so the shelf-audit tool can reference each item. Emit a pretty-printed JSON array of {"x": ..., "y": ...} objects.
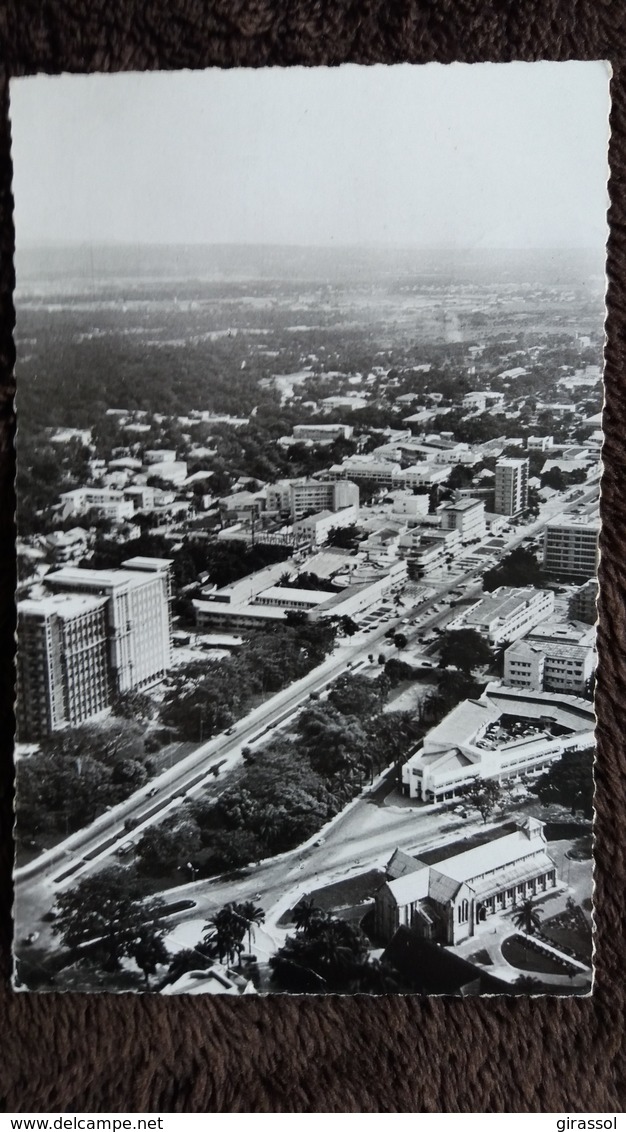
[{"x": 495, "y": 155}]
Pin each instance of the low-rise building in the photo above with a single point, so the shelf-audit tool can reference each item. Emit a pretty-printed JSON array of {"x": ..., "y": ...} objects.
[
  {"x": 406, "y": 503},
  {"x": 482, "y": 399},
  {"x": 549, "y": 665},
  {"x": 428, "y": 548},
  {"x": 316, "y": 528},
  {"x": 452, "y": 900},
  {"x": 506, "y": 614},
  {"x": 507, "y": 735},
  {"x": 323, "y": 433},
  {"x": 539, "y": 443},
  {"x": 109, "y": 503},
  {"x": 294, "y": 498}
]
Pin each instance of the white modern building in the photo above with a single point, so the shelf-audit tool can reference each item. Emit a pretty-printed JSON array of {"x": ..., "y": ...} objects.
[
  {"x": 467, "y": 516},
  {"x": 62, "y": 665},
  {"x": 508, "y": 734},
  {"x": 297, "y": 497},
  {"x": 549, "y": 665},
  {"x": 138, "y": 616},
  {"x": 482, "y": 399},
  {"x": 109, "y": 503},
  {"x": 316, "y": 528},
  {"x": 511, "y": 485},
  {"x": 506, "y": 614},
  {"x": 570, "y": 548}
]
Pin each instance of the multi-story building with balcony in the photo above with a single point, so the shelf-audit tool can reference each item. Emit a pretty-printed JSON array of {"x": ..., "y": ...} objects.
[
  {"x": 62, "y": 663},
  {"x": 138, "y": 616}
]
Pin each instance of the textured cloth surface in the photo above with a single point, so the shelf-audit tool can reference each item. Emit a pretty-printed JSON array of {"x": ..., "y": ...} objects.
[{"x": 100, "y": 1053}]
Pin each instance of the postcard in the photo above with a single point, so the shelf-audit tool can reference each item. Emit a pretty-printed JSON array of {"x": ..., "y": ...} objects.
[{"x": 309, "y": 397}]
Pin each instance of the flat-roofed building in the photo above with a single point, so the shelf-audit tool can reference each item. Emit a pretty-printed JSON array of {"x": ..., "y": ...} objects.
[
  {"x": 583, "y": 602},
  {"x": 137, "y": 613},
  {"x": 511, "y": 485},
  {"x": 271, "y": 605},
  {"x": 109, "y": 503},
  {"x": 539, "y": 443},
  {"x": 506, "y": 614},
  {"x": 297, "y": 497},
  {"x": 508, "y": 734},
  {"x": 481, "y": 399},
  {"x": 316, "y": 528},
  {"x": 366, "y": 468},
  {"x": 549, "y": 665},
  {"x": 467, "y": 516},
  {"x": 406, "y": 503},
  {"x": 323, "y": 433},
  {"x": 62, "y": 665},
  {"x": 570, "y": 548},
  {"x": 428, "y": 548}
]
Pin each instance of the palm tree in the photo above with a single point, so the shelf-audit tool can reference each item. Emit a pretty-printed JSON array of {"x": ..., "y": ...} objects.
[
  {"x": 224, "y": 932},
  {"x": 527, "y": 918},
  {"x": 307, "y": 914},
  {"x": 252, "y": 915}
]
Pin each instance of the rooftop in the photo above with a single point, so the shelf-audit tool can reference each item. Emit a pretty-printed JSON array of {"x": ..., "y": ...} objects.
[{"x": 63, "y": 605}]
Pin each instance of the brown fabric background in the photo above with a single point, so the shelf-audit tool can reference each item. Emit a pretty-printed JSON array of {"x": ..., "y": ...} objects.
[{"x": 71, "y": 1053}]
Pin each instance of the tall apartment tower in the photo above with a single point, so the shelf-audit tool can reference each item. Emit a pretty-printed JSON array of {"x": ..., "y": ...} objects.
[
  {"x": 138, "y": 617},
  {"x": 511, "y": 485},
  {"x": 62, "y": 663},
  {"x": 570, "y": 548}
]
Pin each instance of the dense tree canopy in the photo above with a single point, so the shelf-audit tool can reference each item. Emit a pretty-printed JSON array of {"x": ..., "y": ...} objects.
[
  {"x": 519, "y": 568},
  {"x": 464, "y": 649},
  {"x": 76, "y": 774},
  {"x": 569, "y": 782},
  {"x": 105, "y": 918}
]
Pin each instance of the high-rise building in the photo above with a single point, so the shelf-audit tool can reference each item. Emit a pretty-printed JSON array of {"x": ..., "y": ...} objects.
[
  {"x": 570, "y": 548},
  {"x": 511, "y": 485},
  {"x": 62, "y": 664},
  {"x": 138, "y": 617}
]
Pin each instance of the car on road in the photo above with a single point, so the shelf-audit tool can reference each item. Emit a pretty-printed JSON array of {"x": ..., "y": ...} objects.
[
  {"x": 230, "y": 731},
  {"x": 154, "y": 790},
  {"x": 124, "y": 849}
]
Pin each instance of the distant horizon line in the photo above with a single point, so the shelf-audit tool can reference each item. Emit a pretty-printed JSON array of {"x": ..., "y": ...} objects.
[{"x": 32, "y": 244}]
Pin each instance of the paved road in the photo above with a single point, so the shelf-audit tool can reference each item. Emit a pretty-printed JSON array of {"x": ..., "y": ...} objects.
[{"x": 87, "y": 849}]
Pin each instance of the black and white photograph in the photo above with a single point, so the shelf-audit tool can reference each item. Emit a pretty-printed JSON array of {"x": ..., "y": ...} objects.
[{"x": 309, "y": 369}]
